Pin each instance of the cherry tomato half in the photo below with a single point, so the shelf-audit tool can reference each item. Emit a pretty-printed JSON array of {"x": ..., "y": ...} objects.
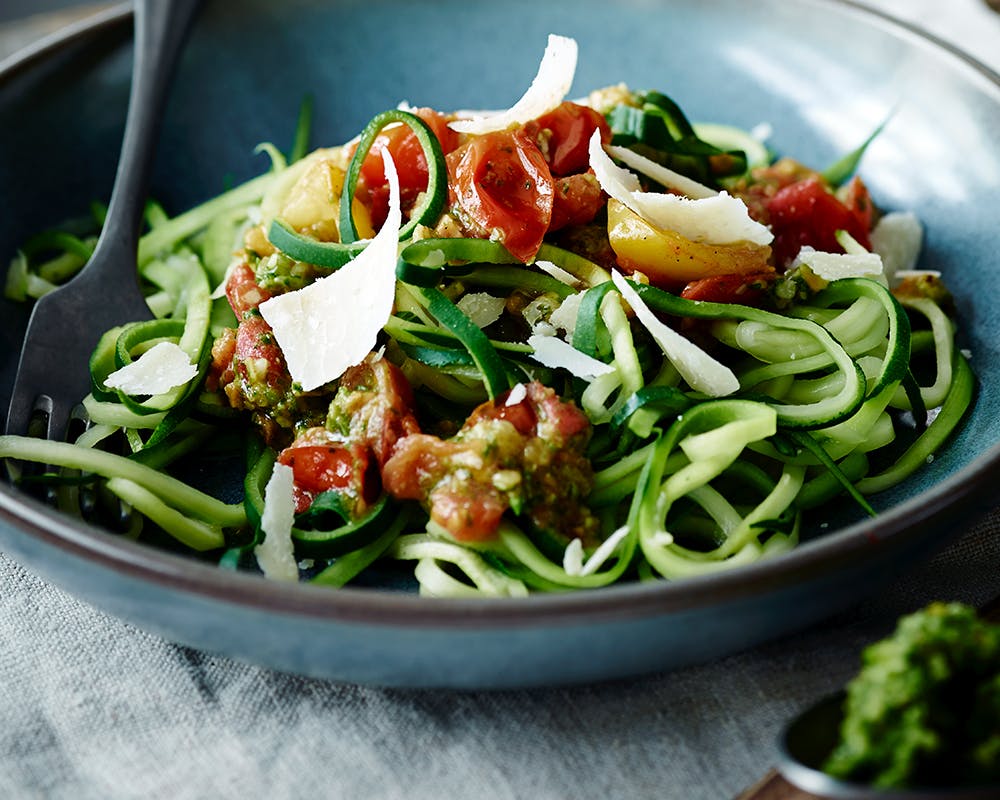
[
  {"x": 501, "y": 183},
  {"x": 410, "y": 161},
  {"x": 570, "y": 126}
]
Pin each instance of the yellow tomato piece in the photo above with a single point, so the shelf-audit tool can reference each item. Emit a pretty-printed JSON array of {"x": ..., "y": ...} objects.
[
  {"x": 669, "y": 259},
  {"x": 313, "y": 204}
]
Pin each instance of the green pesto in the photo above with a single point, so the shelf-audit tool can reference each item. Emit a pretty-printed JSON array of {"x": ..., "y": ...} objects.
[{"x": 925, "y": 708}]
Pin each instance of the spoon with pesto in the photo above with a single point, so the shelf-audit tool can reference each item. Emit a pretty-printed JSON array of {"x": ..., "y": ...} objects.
[{"x": 921, "y": 721}]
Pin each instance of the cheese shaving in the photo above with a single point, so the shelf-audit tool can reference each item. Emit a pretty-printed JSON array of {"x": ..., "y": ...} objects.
[
  {"x": 553, "y": 352},
  {"x": 718, "y": 218},
  {"x": 558, "y": 273},
  {"x": 702, "y": 372},
  {"x": 275, "y": 555},
  {"x": 333, "y": 323},
  {"x": 481, "y": 307},
  {"x": 161, "y": 368},
  {"x": 518, "y": 393},
  {"x": 573, "y": 558},
  {"x": 834, "y": 266},
  {"x": 898, "y": 237},
  {"x": 573, "y": 562},
  {"x": 547, "y": 90},
  {"x": 661, "y": 174}
]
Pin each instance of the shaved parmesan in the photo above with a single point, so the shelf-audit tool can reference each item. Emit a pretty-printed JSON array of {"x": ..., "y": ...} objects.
[
  {"x": 158, "y": 370},
  {"x": 517, "y": 394},
  {"x": 558, "y": 273},
  {"x": 660, "y": 174},
  {"x": 547, "y": 90},
  {"x": 702, "y": 372},
  {"x": 275, "y": 555},
  {"x": 564, "y": 317},
  {"x": 553, "y": 352},
  {"x": 718, "y": 218},
  {"x": 898, "y": 237},
  {"x": 834, "y": 266},
  {"x": 573, "y": 562},
  {"x": 573, "y": 558},
  {"x": 482, "y": 308},
  {"x": 333, "y": 323}
]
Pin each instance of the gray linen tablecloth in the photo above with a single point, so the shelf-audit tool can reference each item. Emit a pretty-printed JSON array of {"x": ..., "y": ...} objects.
[{"x": 90, "y": 707}]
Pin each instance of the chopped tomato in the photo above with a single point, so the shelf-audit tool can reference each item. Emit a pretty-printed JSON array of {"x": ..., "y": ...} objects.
[
  {"x": 472, "y": 515},
  {"x": 539, "y": 413},
  {"x": 344, "y": 468},
  {"x": 746, "y": 290},
  {"x": 374, "y": 406},
  {"x": 262, "y": 378},
  {"x": 501, "y": 184},
  {"x": 854, "y": 195},
  {"x": 410, "y": 161},
  {"x": 527, "y": 455},
  {"x": 220, "y": 373},
  {"x": 577, "y": 200},
  {"x": 242, "y": 290},
  {"x": 808, "y": 213},
  {"x": 567, "y": 130}
]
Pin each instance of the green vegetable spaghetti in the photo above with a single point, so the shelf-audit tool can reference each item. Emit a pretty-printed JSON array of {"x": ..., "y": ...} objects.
[{"x": 554, "y": 348}]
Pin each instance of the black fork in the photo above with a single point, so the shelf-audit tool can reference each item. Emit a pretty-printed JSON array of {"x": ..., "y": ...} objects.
[{"x": 53, "y": 374}]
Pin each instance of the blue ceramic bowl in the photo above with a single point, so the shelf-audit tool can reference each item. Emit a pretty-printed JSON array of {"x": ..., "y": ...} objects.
[{"x": 823, "y": 74}]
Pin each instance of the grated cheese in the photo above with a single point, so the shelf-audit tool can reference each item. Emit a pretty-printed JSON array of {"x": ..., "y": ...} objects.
[
  {"x": 482, "y": 308},
  {"x": 573, "y": 562},
  {"x": 898, "y": 237},
  {"x": 517, "y": 394},
  {"x": 661, "y": 174},
  {"x": 558, "y": 273}
]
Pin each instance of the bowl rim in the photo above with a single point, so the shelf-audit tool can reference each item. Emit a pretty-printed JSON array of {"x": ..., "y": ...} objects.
[{"x": 79, "y": 540}]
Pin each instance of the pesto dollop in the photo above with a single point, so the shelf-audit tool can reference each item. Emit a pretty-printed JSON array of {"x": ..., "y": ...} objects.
[{"x": 925, "y": 708}]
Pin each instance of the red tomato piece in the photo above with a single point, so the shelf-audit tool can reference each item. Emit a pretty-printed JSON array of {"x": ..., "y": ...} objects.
[
  {"x": 410, "y": 161},
  {"x": 375, "y": 404},
  {"x": 807, "y": 213},
  {"x": 577, "y": 200},
  {"x": 854, "y": 195},
  {"x": 570, "y": 128},
  {"x": 242, "y": 290},
  {"x": 472, "y": 515},
  {"x": 347, "y": 469},
  {"x": 521, "y": 414},
  {"x": 501, "y": 183},
  {"x": 259, "y": 364}
]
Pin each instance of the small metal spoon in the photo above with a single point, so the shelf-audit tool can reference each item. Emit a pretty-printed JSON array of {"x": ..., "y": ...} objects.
[{"x": 809, "y": 738}]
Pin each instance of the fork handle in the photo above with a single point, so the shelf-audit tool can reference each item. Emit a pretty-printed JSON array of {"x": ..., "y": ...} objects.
[{"x": 160, "y": 29}]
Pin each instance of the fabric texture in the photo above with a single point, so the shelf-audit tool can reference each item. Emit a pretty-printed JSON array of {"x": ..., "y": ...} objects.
[{"x": 92, "y": 708}]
